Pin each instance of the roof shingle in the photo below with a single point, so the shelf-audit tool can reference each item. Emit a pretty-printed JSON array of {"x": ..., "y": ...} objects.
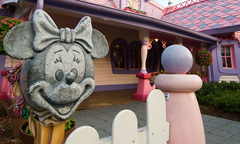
[{"x": 209, "y": 14}]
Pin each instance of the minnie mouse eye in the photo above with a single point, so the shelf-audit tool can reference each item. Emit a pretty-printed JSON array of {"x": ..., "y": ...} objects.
[{"x": 59, "y": 75}]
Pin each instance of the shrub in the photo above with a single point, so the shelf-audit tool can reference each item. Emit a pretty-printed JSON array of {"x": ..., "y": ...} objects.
[
  {"x": 6, "y": 23},
  {"x": 228, "y": 101},
  {"x": 225, "y": 96}
]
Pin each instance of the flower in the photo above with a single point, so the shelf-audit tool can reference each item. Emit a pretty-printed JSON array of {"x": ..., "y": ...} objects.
[
  {"x": 12, "y": 78},
  {"x": 13, "y": 74},
  {"x": 203, "y": 58},
  {"x": 4, "y": 72},
  {"x": 6, "y": 24},
  {"x": 19, "y": 105}
]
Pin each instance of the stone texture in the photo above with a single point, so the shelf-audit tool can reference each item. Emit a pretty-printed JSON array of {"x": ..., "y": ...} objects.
[{"x": 58, "y": 73}]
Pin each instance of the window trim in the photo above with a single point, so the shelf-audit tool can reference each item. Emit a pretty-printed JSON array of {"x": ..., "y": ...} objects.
[
  {"x": 232, "y": 56},
  {"x": 128, "y": 4},
  {"x": 130, "y": 58}
]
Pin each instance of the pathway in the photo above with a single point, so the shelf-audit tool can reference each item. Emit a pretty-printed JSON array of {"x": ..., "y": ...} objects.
[{"x": 217, "y": 130}]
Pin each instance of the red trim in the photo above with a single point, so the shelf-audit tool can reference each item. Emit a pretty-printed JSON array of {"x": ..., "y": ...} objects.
[
  {"x": 140, "y": 97},
  {"x": 232, "y": 57},
  {"x": 144, "y": 76},
  {"x": 181, "y": 5}
]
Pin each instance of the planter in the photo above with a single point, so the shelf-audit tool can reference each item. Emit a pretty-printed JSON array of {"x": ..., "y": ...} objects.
[
  {"x": 28, "y": 139},
  {"x": 25, "y": 138},
  {"x": 131, "y": 10},
  {"x": 67, "y": 133}
]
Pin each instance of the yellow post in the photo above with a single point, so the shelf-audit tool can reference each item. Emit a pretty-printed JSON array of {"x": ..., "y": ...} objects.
[
  {"x": 49, "y": 134},
  {"x": 58, "y": 133}
]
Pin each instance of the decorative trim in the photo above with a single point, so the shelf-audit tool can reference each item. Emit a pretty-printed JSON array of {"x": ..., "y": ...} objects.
[
  {"x": 219, "y": 59},
  {"x": 237, "y": 36},
  {"x": 115, "y": 87},
  {"x": 228, "y": 29},
  {"x": 149, "y": 44},
  {"x": 163, "y": 43},
  {"x": 191, "y": 49},
  {"x": 157, "y": 5},
  {"x": 181, "y": 6}
]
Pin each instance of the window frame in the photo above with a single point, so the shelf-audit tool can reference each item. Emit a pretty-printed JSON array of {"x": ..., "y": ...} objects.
[
  {"x": 135, "y": 43},
  {"x": 131, "y": 4},
  {"x": 232, "y": 57}
]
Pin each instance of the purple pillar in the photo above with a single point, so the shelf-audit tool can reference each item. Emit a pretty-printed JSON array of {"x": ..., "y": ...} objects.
[{"x": 2, "y": 65}]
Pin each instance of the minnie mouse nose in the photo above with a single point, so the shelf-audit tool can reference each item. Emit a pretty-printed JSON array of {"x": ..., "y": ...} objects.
[{"x": 70, "y": 77}]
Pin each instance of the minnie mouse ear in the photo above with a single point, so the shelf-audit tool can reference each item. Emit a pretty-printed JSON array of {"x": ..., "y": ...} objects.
[
  {"x": 100, "y": 44},
  {"x": 18, "y": 41}
]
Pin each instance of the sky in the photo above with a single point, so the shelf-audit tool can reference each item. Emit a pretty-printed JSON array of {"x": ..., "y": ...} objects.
[{"x": 165, "y": 2}]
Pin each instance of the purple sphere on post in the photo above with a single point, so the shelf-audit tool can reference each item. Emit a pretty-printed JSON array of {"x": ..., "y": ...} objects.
[{"x": 177, "y": 59}]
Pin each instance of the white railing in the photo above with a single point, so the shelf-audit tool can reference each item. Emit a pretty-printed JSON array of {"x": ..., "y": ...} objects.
[{"x": 124, "y": 128}]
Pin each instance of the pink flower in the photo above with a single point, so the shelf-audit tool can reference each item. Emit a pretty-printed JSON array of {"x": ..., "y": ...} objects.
[
  {"x": 12, "y": 78},
  {"x": 10, "y": 26},
  {"x": 13, "y": 22},
  {"x": 4, "y": 32}
]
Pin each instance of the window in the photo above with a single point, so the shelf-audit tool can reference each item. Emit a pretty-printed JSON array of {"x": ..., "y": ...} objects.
[
  {"x": 228, "y": 56},
  {"x": 133, "y": 4},
  {"x": 119, "y": 55},
  {"x": 135, "y": 55},
  {"x": 150, "y": 59},
  {"x": 126, "y": 59}
]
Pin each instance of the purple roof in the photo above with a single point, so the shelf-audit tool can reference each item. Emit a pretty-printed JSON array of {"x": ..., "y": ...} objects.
[{"x": 207, "y": 15}]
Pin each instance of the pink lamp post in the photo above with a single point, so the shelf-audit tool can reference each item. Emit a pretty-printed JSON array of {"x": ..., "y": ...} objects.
[{"x": 183, "y": 113}]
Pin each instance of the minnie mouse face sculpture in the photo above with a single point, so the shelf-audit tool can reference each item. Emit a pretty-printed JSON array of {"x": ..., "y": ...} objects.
[{"x": 58, "y": 72}]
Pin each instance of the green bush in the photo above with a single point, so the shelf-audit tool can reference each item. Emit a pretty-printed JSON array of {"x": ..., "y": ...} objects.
[
  {"x": 228, "y": 101},
  {"x": 225, "y": 96}
]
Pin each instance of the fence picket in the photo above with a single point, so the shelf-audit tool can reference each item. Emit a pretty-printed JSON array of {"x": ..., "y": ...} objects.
[
  {"x": 158, "y": 128},
  {"x": 83, "y": 135},
  {"x": 124, "y": 128}
]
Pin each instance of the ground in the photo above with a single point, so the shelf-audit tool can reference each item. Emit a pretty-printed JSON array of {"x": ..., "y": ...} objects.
[{"x": 98, "y": 100}]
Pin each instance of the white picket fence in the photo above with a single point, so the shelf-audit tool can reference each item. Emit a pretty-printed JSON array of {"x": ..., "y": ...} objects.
[{"x": 125, "y": 126}]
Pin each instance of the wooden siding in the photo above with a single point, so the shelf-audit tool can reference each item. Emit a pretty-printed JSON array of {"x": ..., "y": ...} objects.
[
  {"x": 10, "y": 62},
  {"x": 104, "y": 75},
  {"x": 229, "y": 78}
]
